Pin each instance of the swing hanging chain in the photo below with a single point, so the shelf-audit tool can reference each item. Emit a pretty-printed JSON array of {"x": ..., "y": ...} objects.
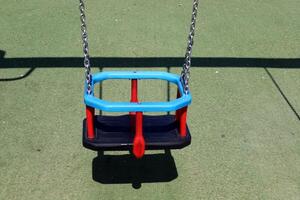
[
  {"x": 86, "y": 61},
  {"x": 185, "y": 74}
]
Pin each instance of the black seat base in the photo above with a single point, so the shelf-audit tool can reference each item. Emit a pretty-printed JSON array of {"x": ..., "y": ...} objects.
[{"x": 115, "y": 133}]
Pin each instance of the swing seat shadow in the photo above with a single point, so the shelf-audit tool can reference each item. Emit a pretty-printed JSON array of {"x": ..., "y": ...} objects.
[{"x": 126, "y": 169}]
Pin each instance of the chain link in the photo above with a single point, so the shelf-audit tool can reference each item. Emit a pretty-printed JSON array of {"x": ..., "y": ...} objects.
[
  {"x": 185, "y": 74},
  {"x": 86, "y": 60}
]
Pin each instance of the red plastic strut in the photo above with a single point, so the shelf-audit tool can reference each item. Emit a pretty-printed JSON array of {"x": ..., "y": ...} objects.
[
  {"x": 182, "y": 121},
  {"x": 134, "y": 98},
  {"x": 177, "y": 111},
  {"x": 181, "y": 118},
  {"x": 90, "y": 122},
  {"x": 134, "y": 90},
  {"x": 139, "y": 142}
]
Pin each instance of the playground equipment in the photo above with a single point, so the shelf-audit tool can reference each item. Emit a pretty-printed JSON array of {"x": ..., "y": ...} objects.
[{"x": 135, "y": 131}]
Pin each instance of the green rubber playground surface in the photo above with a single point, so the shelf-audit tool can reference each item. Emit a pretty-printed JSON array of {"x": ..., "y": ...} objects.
[{"x": 244, "y": 118}]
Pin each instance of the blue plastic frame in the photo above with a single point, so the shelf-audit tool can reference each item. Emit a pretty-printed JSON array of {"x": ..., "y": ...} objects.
[{"x": 172, "y": 105}]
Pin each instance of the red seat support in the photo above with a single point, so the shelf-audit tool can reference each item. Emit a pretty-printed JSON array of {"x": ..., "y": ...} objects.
[
  {"x": 181, "y": 116},
  {"x": 90, "y": 112}
]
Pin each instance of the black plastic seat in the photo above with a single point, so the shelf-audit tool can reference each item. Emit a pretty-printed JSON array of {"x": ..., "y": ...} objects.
[{"x": 114, "y": 133}]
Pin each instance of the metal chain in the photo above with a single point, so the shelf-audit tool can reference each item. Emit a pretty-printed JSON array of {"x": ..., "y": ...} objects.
[
  {"x": 185, "y": 74},
  {"x": 86, "y": 60}
]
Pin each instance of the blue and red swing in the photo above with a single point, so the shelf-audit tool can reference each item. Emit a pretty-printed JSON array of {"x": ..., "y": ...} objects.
[{"x": 135, "y": 131}]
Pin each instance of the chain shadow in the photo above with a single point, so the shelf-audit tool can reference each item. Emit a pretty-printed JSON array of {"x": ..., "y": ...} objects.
[
  {"x": 125, "y": 169},
  {"x": 19, "y": 77}
]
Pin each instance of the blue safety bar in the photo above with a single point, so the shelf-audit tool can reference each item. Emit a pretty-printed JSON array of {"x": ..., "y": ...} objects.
[{"x": 172, "y": 105}]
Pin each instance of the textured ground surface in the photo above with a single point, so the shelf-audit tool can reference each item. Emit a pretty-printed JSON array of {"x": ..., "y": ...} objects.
[{"x": 244, "y": 123}]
